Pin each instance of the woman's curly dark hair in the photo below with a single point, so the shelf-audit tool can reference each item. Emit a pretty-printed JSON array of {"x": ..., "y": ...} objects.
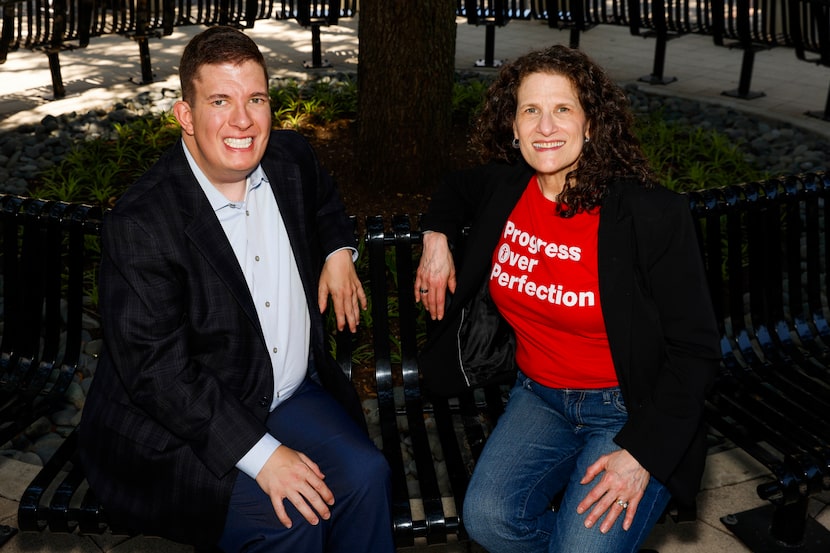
[{"x": 613, "y": 150}]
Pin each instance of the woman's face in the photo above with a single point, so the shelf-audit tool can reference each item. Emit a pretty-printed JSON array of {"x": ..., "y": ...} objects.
[{"x": 551, "y": 127}]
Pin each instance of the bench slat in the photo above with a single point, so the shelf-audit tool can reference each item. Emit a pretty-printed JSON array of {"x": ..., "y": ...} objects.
[{"x": 401, "y": 510}]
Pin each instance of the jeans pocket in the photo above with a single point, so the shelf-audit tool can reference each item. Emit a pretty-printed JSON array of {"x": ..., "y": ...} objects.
[{"x": 618, "y": 402}]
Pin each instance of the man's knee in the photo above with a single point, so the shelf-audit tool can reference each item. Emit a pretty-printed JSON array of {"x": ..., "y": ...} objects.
[
  {"x": 374, "y": 470},
  {"x": 365, "y": 470}
]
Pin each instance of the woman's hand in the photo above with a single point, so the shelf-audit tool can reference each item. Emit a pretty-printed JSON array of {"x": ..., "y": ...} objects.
[
  {"x": 619, "y": 491},
  {"x": 435, "y": 274}
]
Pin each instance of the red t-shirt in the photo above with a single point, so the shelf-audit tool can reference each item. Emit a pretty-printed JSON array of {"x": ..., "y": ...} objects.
[{"x": 544, "y": 280}]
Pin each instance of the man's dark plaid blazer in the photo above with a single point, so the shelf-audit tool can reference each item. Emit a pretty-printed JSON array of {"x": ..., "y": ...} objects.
[{"x": 183, "y": 388}]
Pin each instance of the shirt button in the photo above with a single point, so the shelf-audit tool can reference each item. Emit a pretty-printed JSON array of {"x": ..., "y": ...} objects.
[
  {"x": 256, "y": 257},
  {"x": 267, "y": 304},
  {"x": 275, "y": 350}
]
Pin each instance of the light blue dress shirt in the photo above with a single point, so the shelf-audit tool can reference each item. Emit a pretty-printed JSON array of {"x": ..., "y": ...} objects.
[{"x": 259, "y": 239}]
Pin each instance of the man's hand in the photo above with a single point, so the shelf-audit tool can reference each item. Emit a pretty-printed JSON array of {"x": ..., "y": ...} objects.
[
  {"x": 339, "y": 279},
  {"x": 619, "y": 491},
  {"x": 435, "y": 274},
  {"x": 289, "y": 474}
]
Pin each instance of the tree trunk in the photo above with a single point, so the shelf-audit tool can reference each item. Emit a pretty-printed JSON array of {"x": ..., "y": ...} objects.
[{"x": 405, "y": 83}]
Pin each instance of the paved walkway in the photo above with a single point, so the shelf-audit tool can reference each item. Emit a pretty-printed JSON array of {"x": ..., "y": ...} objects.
[
  {"x": 102, "y": 72},
  {"x": 109, "y": 67}
]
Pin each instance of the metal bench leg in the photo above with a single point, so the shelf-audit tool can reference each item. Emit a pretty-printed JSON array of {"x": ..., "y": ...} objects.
[
  {"x": 826, "y": 114},
  {"x": 144, "y": 55},
  {"x": 55, "y": 69},
  {"x": 779, "y": 529},
  {"x": 7, "y": 30},
  {"x": 656, "y": 76},
  {"x": 574, "y": 38},
  {"x": 489, "y": 49},
  {"x": 142, "y": 10},
  {"x": 6, "y": 533},
  {"x": 743, "y": 91},
  {"x": 317, "y": 60},
  {"x": 55, "y": 45}
]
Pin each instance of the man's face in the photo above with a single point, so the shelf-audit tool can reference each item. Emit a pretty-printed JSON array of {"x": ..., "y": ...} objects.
[{"x": 227, "y": 122}]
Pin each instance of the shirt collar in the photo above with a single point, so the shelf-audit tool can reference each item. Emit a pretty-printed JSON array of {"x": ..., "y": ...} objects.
[{"x": 216, "y": 199}]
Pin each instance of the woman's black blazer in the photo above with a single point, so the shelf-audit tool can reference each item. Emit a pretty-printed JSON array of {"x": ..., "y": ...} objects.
[{"x": 655, "y": 301}]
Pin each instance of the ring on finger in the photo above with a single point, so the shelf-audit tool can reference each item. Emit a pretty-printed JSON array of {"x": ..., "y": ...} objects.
[
  {"x": 423, "y": 291},
  {"x": 622, "y": 503}
]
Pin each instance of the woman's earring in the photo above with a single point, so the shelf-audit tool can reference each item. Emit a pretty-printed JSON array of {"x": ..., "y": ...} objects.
[
  {"x": 587, "y": 140},
  {"x": 515, "y": 143}
]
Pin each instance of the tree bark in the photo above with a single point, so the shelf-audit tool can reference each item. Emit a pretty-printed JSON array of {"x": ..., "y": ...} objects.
[{"x": 405, "y": 84}]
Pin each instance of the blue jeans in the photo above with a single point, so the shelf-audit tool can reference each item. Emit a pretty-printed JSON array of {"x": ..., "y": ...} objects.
[{"x": 543, "y": 444}]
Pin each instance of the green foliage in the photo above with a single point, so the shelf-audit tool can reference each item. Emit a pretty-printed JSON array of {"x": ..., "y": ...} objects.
[
  {"x": 98, "y": 171},
  {"x": 93, "y": 253},
  {"x": 316, "y": 102},
  {"x": 689, "y": 158},
  {"x": 467, "y": 98}
]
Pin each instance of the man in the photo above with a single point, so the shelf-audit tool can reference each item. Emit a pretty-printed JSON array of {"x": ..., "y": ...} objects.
[{"x": 206, "y": 423}]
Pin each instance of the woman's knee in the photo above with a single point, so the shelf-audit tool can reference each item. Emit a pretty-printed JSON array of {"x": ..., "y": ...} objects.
[{"x": 485, "y": 517}]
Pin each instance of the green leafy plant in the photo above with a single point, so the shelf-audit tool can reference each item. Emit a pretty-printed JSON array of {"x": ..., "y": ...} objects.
[
  {"x": 687, "y": 158},
  {"x": 315, "y": 102},
  {"x": 468, "y": 96},
  {"x": 98, "y": 171}
]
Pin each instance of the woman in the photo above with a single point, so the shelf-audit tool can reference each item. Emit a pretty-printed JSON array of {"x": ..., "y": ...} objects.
[{"x": 596, "y": 270}]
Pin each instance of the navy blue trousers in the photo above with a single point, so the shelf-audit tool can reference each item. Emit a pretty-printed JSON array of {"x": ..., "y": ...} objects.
[{"x": 312, "y": 422}]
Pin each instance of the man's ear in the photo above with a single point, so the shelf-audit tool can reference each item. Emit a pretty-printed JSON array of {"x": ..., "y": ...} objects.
[{"x": 184, "y": 116}]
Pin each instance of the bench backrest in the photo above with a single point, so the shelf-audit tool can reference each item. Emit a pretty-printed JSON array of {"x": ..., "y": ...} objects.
[
  {"x": 756, "y": 22},
  {"x": 307, "y": 12},
  {"x": 494, "y": 12},
  {"x": 810, "y": 30},
  {"x": 45, "y": 281},
  {"x": 667, "y": 16},
  {"x": 766, "y": 250},
  {"x": 143, "y": 17},
  {"x": 38, "y": 24},
  {"x": 763, "y": 245}
]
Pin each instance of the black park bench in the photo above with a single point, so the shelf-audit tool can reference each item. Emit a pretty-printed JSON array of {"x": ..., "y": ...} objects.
[
  {"x": 492, "y": 14},
  {"x": 810, "y": 33},
  {"x": 766, "y": 252},
  {"x": 313, "y": 15},
  {"x": 43, "y": 263},
  {"x": 58, "y": 26},
  {"x": 431, "y": 447}
]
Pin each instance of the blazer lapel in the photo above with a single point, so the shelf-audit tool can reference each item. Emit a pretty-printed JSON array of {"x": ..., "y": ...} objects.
[
  {"x": 205, "y": 232},
  {"x": 485, "y": 233},
  {"x": 616, "y": 258}
]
